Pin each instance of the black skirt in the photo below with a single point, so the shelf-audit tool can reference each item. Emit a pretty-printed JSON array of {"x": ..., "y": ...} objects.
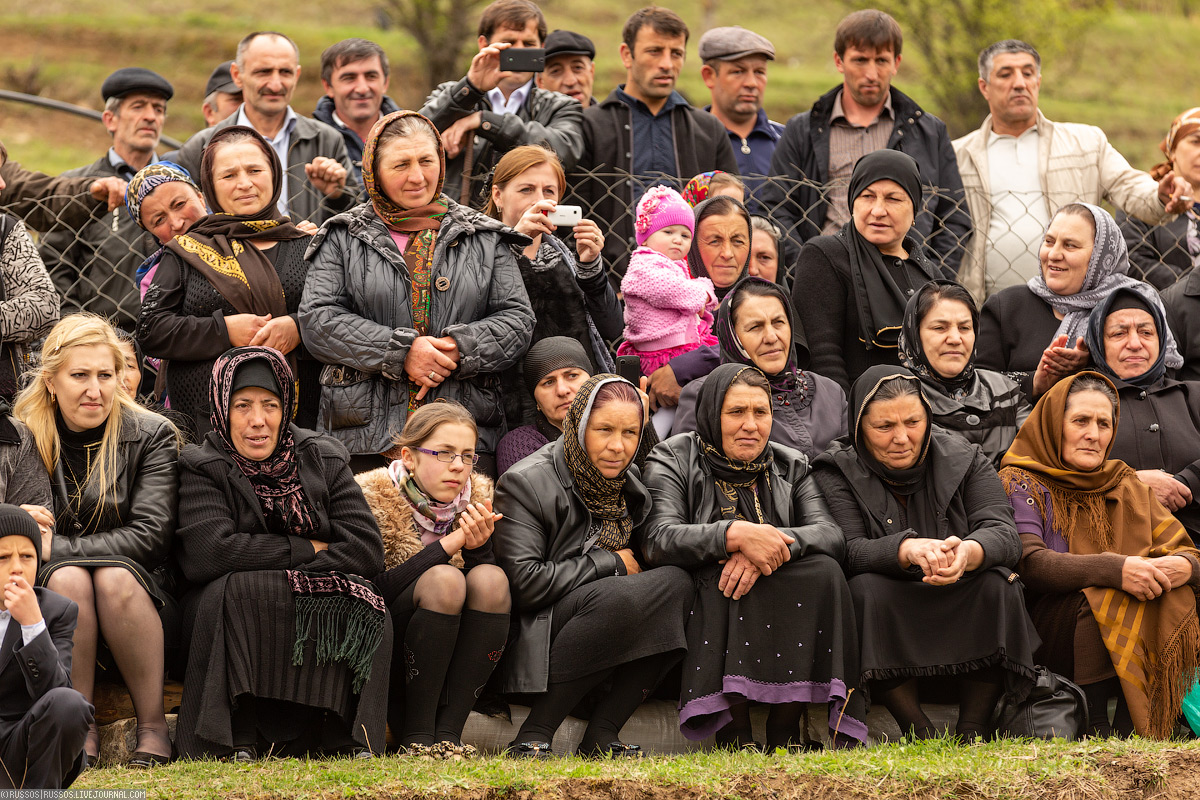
[
  {"x": 791, "y": 639},
  {"x": 912, "y": 629},
  {"x": 242, "y": 634}
]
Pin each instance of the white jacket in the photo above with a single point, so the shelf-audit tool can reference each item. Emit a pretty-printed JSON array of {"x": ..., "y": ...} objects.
[{"x": 1076, "y": 164}]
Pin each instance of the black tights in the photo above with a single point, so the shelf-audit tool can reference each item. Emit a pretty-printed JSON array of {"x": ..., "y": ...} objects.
[
  {"x": 978, "y": 693},
  {"x": 1098, "y": 695},
  {"x": 631, "y": 684}
]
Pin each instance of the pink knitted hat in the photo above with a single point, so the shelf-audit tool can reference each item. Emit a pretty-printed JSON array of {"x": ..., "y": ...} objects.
[{"x": 661, "y": 207}]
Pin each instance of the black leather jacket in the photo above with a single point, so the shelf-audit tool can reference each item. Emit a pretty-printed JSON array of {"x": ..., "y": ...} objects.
[
  {"x": 684, "y": 494},
  {"x": 542, "y": 543}
]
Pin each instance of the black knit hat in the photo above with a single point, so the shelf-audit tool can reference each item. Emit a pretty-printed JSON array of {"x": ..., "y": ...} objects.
[
  {"x": 15, "y": 521},
  {"x": 554, "y": 353}
]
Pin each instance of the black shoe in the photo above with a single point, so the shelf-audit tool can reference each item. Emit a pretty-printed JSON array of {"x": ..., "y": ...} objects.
[
  {"x": 612, "y": 750},
  {"x": 89, "y": 761},
  {"x": 144, "y": 760},
  {"x": 535, "y": 750},
  {"x": 242, "y": 755}
]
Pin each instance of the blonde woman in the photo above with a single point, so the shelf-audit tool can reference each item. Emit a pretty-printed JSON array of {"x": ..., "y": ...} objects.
[{"x": 112, "y": 474}]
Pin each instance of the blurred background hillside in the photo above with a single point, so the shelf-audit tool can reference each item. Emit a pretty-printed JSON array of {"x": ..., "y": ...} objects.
[{"x": 1123, "y": 66}]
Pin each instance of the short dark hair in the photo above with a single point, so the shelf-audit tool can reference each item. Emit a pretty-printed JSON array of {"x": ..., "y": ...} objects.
[
  {"x": 347, "y": 51},
  {"x": 663, "y": 21},
  {"x": 990, "y": 52},
  {"x": 514, "y": 14},
  {"x": 868, "y": 28},
  {"x": 945, "y": 290},
  {"x": 250, "y": 37}
]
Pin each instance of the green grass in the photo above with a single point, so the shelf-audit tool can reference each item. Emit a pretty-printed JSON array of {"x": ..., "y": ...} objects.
[{"x": 929, "y": 769}]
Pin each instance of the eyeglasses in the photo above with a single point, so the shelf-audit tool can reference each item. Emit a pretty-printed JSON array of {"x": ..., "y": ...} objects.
[{"x": 468, "y": 459}]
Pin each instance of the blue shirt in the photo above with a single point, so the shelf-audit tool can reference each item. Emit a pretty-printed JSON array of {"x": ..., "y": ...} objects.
[
  {"x": 653, "y": 142},
  {"x": 754, "y": 165}
]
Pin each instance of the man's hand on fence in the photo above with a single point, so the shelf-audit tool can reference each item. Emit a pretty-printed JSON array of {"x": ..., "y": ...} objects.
[
  {"x": 327, "y": 175},
  {"x": 110, "y": 190}
]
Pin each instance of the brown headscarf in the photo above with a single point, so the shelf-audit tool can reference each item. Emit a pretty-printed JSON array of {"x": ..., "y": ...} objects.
[
  {"x": 214, "y": 245},
  {"x": 1155, "y": 645},
  {"x": 1183, "y": 125}
]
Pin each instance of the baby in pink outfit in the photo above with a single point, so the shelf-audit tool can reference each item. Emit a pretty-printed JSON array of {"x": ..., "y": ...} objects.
[{"x": 667, "y": 311}]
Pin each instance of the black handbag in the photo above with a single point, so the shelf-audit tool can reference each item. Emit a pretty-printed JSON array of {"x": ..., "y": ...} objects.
[{"x": 1053, "y": 707}]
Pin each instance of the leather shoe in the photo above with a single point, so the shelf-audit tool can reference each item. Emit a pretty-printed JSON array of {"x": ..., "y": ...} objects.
[
  {"x": 612, "y": 750},
  {"x": 537, "y": 750},
  {"x": 144, "y": 760},
  {"x": 242, "y": 755}
]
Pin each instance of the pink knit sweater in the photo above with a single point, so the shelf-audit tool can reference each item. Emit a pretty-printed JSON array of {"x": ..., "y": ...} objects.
[{"x": 662, "y": 302}]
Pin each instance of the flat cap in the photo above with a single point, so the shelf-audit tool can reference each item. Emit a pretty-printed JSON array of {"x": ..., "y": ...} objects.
[
  {"x": 135, "y": 79},
  {"x": 221, "y": 80},
  {"x": 730, "y": 44},
  {"x": 569, "y": 43}
]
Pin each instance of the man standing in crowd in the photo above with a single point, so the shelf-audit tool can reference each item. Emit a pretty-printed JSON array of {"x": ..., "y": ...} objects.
[
  {"x": 864, "y": 114},
  {"x": 221, "y": 95},
  {"x": 93, "y": 266},
  {"x": 570, "y": 66},
  {"x": 491, "y": 111},
  {"x": 43, "y": 201},
  {"x": 735, "y": 72},
  {"x": 354, "y": 73},
  {"x": 1019, "y": 168},
  {"x": 671, "y": 140},
  {"x": 317, "y": 183}
]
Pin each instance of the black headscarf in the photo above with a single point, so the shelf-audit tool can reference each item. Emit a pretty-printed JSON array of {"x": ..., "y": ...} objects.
[
  {"x": 792, "y": 384},
  {"x": 275, "y": 479},
  {"x": 1094, "y": 336},
  {"x": 879, "y": 299},
  {"x": 912, "y": 352},
  {"x": 743, "y": 487},
  {"x": 900, "y": 481},
  {"x": 718, "y": 206}
]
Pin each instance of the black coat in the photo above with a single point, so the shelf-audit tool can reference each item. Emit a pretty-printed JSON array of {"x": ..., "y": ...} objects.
[
  {"x": 701, "y": 144},
  {"x": 802, "y": 158},
  {"x": 1158, "y": 254},
  {"x": 1159, "y": 428},
  {"x": 681, "y": 485},
  {"x": 542, "y": 544},
  {"x": 28, "y": 671},
  {"x": 1015, "y": 326},
  {"x": 1182, "y": 302}
]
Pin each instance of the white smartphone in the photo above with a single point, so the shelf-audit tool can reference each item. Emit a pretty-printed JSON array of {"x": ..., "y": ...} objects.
[{"x": 565, "y": 215}]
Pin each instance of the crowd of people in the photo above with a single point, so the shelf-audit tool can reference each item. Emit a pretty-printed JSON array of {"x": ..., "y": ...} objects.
[{"x": 339, "y": 421}]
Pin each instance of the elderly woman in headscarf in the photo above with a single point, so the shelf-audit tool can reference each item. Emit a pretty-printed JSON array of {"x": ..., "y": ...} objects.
[
  {"x": 1035, "y": 332},
  {"x": 772, "y": 621},
  {"x": 233, "y": 279},
  {"x": 930, "y": 546},
  {"x": 1162, "y": 254},
  {"x": 720, "y": 252},
  {"x": 412, "y": 297},
  {"x": 755, "y": 327},
  {"x": 290, "y": 645},
  {"x": 937, "y": 342},
  {"x": 851, "y": 288},
  {"x": 1112, "y": 576},
  {"x": 570, "y": 540}
]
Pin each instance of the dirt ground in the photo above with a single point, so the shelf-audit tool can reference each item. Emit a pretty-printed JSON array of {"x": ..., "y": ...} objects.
[{"x": 1170, "y": 775}]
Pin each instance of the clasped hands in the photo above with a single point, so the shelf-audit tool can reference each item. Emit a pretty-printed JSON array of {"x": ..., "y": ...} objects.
[
  {"x": 943, "y": 561},
  {"x": 754, "y": 550}
]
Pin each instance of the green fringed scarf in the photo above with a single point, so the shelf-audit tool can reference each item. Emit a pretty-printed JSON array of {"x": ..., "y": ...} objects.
[{"x": 349, "y": 616}]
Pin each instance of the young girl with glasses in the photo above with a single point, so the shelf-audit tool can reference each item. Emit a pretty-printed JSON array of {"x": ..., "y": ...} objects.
[{"x": 449, "y": 600}]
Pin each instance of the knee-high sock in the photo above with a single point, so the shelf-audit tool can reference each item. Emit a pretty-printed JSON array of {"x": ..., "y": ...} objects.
[
  {"x": 427, "y": 649},
  {"x": 480, "y": 642}
]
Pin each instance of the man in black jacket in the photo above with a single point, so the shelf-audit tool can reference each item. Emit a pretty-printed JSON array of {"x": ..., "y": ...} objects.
[
  {"x": 490, "y": 111},
  {"x": 819, "y": 148},
  {"x": 645, "y": 132},
  {"x": 43, "y": 721}
]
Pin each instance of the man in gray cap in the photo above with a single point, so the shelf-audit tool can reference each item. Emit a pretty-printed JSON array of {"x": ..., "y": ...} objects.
[
  {"x": 93, "y": 266},
  {"x": 570, "y": 68},
  {"x": 735, "y": 72},
  {"x": 221, "y": 95}
]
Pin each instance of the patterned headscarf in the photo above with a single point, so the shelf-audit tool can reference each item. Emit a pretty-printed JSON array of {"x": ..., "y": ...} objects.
[
  {"x": 1183, "y": 125},
  {"x": 603, "y": 497},
  {"x": 1155, "y": 645},
  {"x": 743, "y": 487},
  {"x": 275, "y": 479},
  {"x": 695, "y": 191},
  {"x": 1105, "y": 274},
  {"x": 148, "y": 179}
]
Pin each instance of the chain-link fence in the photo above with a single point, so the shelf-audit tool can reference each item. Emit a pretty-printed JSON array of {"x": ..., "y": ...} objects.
[{"x": 93, "y": 259}]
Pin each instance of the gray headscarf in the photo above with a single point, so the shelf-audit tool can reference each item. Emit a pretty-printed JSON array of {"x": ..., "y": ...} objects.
[{"x": 1105, "y": 274}]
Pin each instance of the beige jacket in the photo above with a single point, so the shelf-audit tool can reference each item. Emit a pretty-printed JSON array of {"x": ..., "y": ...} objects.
[{"x": 1076, "y": 164}]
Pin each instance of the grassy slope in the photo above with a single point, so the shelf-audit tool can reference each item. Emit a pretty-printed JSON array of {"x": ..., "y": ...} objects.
[
  {"x": 1121, "y": 76},
  {"x": 930, "y": 769}
]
